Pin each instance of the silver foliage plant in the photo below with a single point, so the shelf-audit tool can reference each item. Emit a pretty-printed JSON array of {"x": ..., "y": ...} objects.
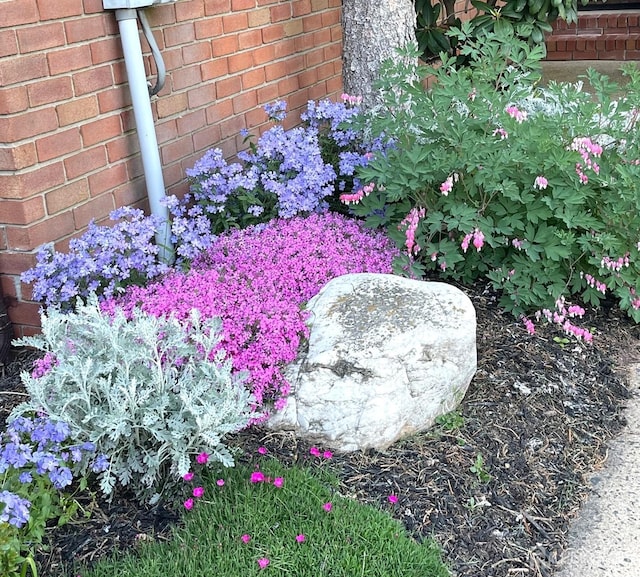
[{"x": 148, "y": 392}]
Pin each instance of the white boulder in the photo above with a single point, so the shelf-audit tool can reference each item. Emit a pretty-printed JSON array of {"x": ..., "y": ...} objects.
[{"x": 386, "y": 356}]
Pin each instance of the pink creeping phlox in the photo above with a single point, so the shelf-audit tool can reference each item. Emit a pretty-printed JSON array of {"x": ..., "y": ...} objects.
[
  {"x": 257, "y": 281},
  {"x": 263, "y": 562},
  {"x": 198, "y": 492},
  {"x": 327, "y": 507},
  {"x": 245, "y": 538},
  {"x": 300, "y": 538}
]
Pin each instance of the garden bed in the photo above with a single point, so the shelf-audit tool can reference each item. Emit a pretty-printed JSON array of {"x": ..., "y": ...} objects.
[{"x": 539, "y": 413}]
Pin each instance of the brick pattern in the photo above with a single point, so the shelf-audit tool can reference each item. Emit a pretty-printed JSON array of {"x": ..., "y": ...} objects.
[
  {"x": 69, "y": 151},
  {"x": 598, "y": 35}
]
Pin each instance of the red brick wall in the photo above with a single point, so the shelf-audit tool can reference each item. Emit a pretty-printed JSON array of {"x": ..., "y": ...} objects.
[
  {"x": 598, "y": 35},
  {"x": 68, "y": 146}
]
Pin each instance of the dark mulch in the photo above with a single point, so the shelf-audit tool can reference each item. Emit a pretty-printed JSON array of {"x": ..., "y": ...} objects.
[{"x": 539, "y": 412}]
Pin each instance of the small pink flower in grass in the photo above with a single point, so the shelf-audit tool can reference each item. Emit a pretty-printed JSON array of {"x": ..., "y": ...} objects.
[
  {"x": 327, "y": 454},
  {"x": 263, "y": 562},
  {"x": 300, "y": 538},
  {"x": 278, "y": 482},
  {"x": 188, "y": 504},
  {"x": 245, "y": 538},
  {"x": 202, "y": 458},
  {"x": 198, "y": 492},
  {"x": 314, "y": 451},
  {"x": 220, "y": 482},
  {"x": 262, "y": 450},
  {"x": 393, "y": 499},
  {"x": 257, "y": 477},
  {"x": 188, "y": 476},
  {"x": 327, "y": 507}
]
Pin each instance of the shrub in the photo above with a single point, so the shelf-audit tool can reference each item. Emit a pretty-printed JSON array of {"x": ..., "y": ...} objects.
[
  {"x": 529, "y": 20},
  {"x": 38, "y": 462},
  {"x": 103, "y": 261},
  {"x": 141, "y": 390},
  {"x": 257, "y": 280},
  {"x": 536, "y": 189}
]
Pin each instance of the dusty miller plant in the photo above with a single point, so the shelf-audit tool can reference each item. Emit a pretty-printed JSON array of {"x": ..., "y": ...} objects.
[{"x": 147, "y": 392}]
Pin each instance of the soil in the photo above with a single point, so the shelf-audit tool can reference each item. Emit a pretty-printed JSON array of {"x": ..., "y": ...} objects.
[{"x": 495, "y": 485}]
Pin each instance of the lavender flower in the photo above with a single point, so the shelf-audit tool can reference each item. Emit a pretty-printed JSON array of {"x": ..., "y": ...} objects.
[
  {"x": 276, "y": 111},
  {"x": 16, "y": 509},
  {"x": 104, "y": 260},
  {"x": 37, "y": 458}
]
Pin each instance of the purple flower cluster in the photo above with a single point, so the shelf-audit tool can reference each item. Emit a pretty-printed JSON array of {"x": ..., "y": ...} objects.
[
  {"x": 276, "y": 111},
  {"x": 291, "y": 168},
  {"x": 35, "y": 450},
  {"x": 103, "y": 261},
  {"x": 342, "y": 136},
  {"x": 336, "y": 118},
  {"x": 16, "y": 509},
  {"x": 257, "y": 281},
  {"x": 284, "y": 174}
]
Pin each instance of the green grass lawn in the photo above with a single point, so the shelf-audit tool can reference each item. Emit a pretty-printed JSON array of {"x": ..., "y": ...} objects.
[{"x": 234, "y": 526}]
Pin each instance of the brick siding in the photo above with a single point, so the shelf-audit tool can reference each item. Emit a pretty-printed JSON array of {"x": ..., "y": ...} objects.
[
  {"x": 68, "y": 147},
  {"x": 598, "y": 35}
]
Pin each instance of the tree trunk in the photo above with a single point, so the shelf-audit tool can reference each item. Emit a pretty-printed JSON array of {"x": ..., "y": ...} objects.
[{"x": 372, "y": 32}]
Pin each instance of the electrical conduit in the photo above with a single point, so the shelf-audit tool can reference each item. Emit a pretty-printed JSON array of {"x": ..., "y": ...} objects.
[{"x": 136, "y": 75}]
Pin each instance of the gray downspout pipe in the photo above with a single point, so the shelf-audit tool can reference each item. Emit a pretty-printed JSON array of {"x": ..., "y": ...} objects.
[{"x": 136, "y": 75}]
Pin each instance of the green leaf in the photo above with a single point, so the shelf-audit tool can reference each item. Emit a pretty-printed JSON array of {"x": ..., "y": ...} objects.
[{"x": 482, "y": 6}]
